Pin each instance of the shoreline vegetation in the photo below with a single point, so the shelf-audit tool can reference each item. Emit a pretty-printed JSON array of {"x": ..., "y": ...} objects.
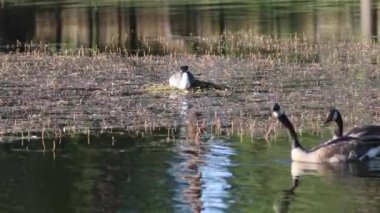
[{"x": 84, "y": 90}]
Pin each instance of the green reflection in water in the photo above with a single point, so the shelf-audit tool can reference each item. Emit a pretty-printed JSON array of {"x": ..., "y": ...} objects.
[
  {"x": 259, "y": 178},
  {"x": 263, "y": 177},
  {"x": 164, "y": 27},
  {"x": 147, "y": 187},
  {"x": 81, "y": 177},
  {"x": 122, "y": 173}
]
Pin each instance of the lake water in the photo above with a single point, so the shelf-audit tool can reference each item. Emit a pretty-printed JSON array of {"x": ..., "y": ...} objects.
[
  {"x": 153, "y": 173},
  {"x": 179, "y": 26},
  {"x": 189, "y": 167}
]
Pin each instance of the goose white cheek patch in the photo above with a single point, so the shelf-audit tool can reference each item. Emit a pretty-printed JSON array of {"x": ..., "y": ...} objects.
[
  {"x": 278, "y": 113},
  {"x": 335, "y": 116},
  {"x": 275, "y": 114}
]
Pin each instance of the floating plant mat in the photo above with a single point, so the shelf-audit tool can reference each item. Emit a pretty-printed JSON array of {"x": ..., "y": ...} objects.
[
  {"x": 43, "y": 92},
  {"x": 162, "y": 88},
  {"x": 198, "y": 87}
]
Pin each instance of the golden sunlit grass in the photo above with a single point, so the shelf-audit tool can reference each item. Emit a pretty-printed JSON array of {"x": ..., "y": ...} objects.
[{"x": 160, "y": 88}]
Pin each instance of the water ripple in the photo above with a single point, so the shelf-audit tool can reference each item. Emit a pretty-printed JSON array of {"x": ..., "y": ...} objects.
[{"x": 201, "y": 173}]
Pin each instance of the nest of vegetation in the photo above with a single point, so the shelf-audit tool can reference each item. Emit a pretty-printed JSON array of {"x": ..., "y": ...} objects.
[{"x": 85, "y": 90}]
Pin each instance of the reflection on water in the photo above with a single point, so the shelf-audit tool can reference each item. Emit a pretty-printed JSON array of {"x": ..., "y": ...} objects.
[
  {"x": 201, "y": 174},
  {"x": 121, "y": 173},
  {"x": 161, "y": 26},
  {"x": 360, "y": 169},
  {"x": 81, "y": 177},
  {"x": 216, "y": 174},
  {"x": 201, "y": 165},
  {"x": 262, "y": 181},
  {"x": 352, "y": 177},
  {"x": 117, "y": 172}
]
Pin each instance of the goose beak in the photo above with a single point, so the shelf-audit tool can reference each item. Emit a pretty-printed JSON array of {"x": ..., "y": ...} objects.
[
  {"x": 333, "y": 115},
  {"x": 328, "y": 119}
]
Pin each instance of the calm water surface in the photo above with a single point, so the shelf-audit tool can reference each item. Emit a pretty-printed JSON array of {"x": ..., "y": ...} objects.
[
  {"x": 176, "y": 170},
  {"x": 124, "y": 173},
  {"x": 167, "y": 26}
]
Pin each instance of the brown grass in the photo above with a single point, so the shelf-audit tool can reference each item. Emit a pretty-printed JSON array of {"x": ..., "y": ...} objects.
[{"x": 83, "y": 90}]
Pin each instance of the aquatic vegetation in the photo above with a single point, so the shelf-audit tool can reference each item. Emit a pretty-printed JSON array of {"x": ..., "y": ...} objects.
[{"x": 88, "y": 90}]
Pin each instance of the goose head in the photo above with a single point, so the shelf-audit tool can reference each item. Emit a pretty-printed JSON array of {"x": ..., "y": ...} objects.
[
  {"x": 277, "y": 110},
  {"x": 184, "y": 68},
  {"x": 279, "y": 113},
  {"x": 335, "y": 116}
]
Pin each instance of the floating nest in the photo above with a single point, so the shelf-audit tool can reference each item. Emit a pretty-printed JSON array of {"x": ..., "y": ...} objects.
[{"x": 199, "y": 86}]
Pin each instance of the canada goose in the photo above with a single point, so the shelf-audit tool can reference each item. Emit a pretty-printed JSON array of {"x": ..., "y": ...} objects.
[
  {"x": 363, "y": 131},
  {"x": 183, "y": 79},
  {"x": 340, "y": 150}
]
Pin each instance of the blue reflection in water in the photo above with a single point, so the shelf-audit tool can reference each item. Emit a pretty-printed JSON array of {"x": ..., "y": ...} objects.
[
  {"x": 200, "y": 167},
  {"x": 201, "y": 173},
  {"x": 215, "y": 173}
]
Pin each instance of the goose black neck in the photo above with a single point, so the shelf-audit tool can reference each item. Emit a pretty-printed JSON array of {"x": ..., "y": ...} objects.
[
  {"x": 287, "y": 124},
  {"x": 339, "y": 122}
]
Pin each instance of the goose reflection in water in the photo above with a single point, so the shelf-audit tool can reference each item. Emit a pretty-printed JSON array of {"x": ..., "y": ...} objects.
[
  {"x": 360, "y": 172},
  {"x": 192, "y": 152}
]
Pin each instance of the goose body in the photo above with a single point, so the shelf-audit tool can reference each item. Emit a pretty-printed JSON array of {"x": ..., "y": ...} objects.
[
  {"x": 342, "y": 149},
  {"x": 367, "y": 131},
  {"x": 339, "y": 151},
  {"x": 183, "y": 79}
]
